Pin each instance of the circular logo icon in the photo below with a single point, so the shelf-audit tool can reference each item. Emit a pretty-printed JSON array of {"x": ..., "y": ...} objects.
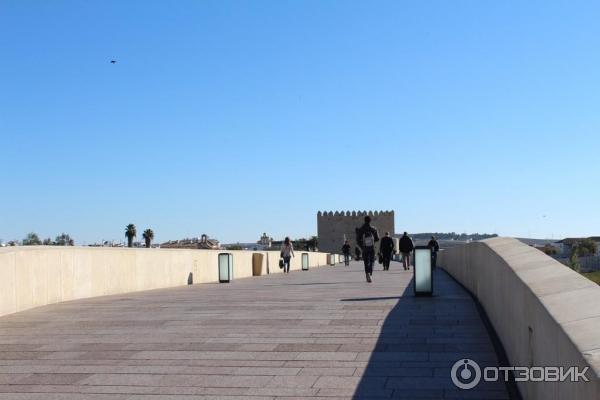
[{"x": 465, "y": 374}]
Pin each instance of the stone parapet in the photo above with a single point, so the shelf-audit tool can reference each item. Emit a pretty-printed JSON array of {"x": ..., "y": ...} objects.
[{"x": 544, "y": 313}]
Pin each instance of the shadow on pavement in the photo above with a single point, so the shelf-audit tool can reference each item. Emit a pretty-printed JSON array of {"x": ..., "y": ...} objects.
[{"x": 420, "y": 340}]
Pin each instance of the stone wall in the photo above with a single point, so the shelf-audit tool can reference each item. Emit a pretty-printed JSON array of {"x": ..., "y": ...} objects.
[
  {"x": 34, "y": 276},
  {"x": 333, "y": 227},
  {"x": 544, "y": 313}
]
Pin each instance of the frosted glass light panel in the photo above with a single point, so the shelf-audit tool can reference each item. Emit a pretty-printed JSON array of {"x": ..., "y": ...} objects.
[
  {"x": 304, "y": 261},
  {"x": 225, "y": 267},
  {"x": 422, "y": 270}
]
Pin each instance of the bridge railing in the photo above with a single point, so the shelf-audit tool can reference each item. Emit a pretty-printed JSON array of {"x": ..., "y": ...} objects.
[
  {"x": 32, "y": 276},
  {"x": 544, "y": 313}
]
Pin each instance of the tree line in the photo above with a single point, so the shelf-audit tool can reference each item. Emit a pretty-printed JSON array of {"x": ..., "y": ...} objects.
[
  {"x": 32, "y": 239},
  {"x": 64, "y": 239},
  {"x": 581, "y": 248},
  {"x": 453, "y": 236}
]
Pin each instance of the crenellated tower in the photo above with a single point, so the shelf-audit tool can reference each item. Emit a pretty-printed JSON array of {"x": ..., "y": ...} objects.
[{"x": 335, "y": 226}]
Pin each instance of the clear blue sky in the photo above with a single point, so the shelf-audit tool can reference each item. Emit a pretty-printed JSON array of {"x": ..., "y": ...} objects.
[{"x": 234, "y": 118}]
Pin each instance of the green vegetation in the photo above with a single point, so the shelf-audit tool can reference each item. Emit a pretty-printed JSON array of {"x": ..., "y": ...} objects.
[
  {"x": 549, "y": 250},
  {"x": 148, "y": 237},
  {"x": 312, "y": 243},
  {"x": 452, "y": 236},
  {"x": 32, "y": 239},
  {"x": 234, "y": 247},
  {"x": 130, "y": 233},
  {"x": 585, "y": 247},
  {"x": 593, "y": 276},
  {"x": 582, "y": 247},
  {"x": 574, "y": 260},
  {"x": 63, "y": 240}
]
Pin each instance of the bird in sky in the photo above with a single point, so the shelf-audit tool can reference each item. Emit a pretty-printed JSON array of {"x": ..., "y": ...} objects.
[{"x": 113, "y": 61}]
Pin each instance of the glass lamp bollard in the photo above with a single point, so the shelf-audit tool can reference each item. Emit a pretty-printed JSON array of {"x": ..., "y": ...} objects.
[
  {"x": 225, "y": 267},
  {"x": 304, "y": 261},
  {"x": 423, "y": 277}
]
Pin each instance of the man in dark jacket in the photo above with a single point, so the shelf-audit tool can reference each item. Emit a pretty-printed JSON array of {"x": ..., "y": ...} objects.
[
  {"x": 346, "y": 252},
  {"x": 366, "y": 236},
  {"x": 434, "y": 247},
  {"x": 357, "y": 254},
  {"x": 386, "y": 248},
  {"x": 406, "y": 247}
]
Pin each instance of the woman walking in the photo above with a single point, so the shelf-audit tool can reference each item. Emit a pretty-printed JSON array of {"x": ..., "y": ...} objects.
[{"x": 287, "y": 252}]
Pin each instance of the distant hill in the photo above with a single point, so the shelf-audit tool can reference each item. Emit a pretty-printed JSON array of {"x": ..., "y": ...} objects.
[{"x": 452, "y": 236}]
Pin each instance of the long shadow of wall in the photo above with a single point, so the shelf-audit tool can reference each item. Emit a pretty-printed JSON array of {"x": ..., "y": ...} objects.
[{"x": 420, "y": 340}]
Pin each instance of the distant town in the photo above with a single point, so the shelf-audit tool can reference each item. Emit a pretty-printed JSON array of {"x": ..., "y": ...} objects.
[{"x": 580, "y": 253}]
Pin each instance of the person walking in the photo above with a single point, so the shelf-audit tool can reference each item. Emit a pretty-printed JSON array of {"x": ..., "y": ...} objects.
[
  {"x": 287, "y": 252},
  {"x": 346, "y": 252},
  {"x": 386, "y": 248},
  {"x": 434, "y": 246},
  {"x": 366, "y": 236},
  {"x": 406, "y": 247}
]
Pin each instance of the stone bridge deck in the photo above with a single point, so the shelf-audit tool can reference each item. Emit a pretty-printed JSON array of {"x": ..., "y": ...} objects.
[{"x": 325, "y": 333}]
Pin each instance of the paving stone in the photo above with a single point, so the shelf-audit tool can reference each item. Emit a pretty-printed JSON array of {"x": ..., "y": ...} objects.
[
  {"x": 62, "y": 396},
  {"x": 340, "y": 371},
  {"x": 419, "y": 382},
  {"x": 266, "y": 371},
  {"x": 197, "y": 391},
  {"x": 326, "y": 364},
  {"x": 307, "y": 347},
  {"x": 422, "y": 394},
  {"x": 476, "y": 393},
  {"x": 301, "y": 392},
  {"x": 322, "y": 334},
  {"x": 339, "y": 356},
  {"x": 305, "y": 381},
  {"x": 394, "y": 356},
  {"x": 362, "y": 392},
  {"x": 52, "y": 379},
  {"x": 12, "y": 378},
  {"x": 396, "y": 371}
]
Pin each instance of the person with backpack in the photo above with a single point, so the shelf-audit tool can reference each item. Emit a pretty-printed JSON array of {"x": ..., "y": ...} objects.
[
  {"x": 386, "y": 248},
  {"x": 346, "y": 252},
  {"x": 406, "y": 247},
  {"x": 357, "y": 255},
  {"x": 287, "y": 252},
  {"x": 366, "y": 236},
  {"x": 434, "y": 246}
]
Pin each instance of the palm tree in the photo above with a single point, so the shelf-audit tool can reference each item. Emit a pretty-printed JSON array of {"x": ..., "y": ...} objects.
[
  {"x": 148, "y": 236},
  {"x": 130, "y": 233}
]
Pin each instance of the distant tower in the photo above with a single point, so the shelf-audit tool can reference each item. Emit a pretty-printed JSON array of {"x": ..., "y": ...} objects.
[
  {"x": 265, "y": 241},
  {"x": 334, "y": 228}
]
